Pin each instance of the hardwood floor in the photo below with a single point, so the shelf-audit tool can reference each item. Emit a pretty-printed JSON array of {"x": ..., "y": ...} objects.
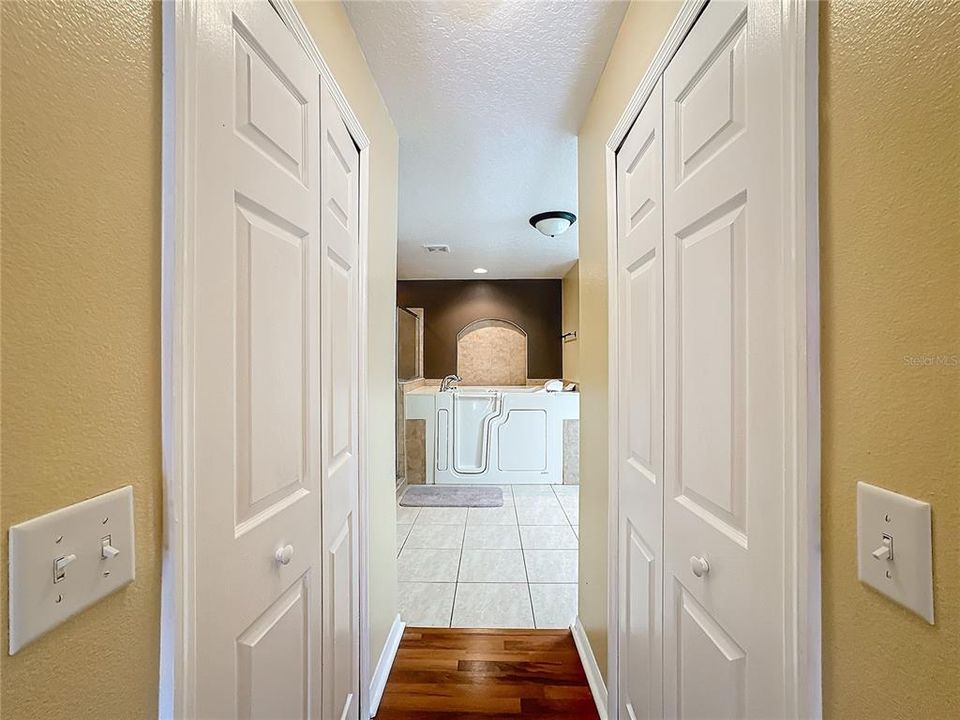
[{"x": 461, "y": 673}]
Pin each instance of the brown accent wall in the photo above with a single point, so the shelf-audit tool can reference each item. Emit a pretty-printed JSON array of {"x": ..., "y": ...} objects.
[{"x": 450, "y": 305}]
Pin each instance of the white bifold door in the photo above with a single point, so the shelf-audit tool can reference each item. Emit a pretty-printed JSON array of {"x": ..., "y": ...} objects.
[
  {"x": 274, "y": 378},
  {"x": 340, "y": 233},
  {"x": 640, "y": 410},
  {"x": 703, "y": 574}
]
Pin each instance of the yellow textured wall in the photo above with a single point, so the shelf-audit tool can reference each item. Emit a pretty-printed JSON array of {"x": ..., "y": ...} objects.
[
  {"x": 81, "y": 328},
  {"x": 330, "y": 27},
  {"x": 643, "y": 29},
  {"x": 571, "y": 322},
  {"x": 890, "y": 292}
]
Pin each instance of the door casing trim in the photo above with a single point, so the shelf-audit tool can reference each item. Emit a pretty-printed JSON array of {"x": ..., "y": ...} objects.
[
  {"x": 800, "y": 221},
  {"x": 177, "y": 691}
]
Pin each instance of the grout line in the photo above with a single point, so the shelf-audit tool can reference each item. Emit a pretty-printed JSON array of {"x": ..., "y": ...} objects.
[
  {"x": 405, "y": 538},
  {"x": 565, "y": 513},
  {"x": 577, "y": 536},
  {"x": 523, "y": 556},
  {"x": 456, "y": 588},
  {"x": 456, "y": 591}
]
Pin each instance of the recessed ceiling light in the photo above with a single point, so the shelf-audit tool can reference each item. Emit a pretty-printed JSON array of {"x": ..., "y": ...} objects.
[
  {"x": 554, "y": 222},
  {"x": 480, "y": 271}
]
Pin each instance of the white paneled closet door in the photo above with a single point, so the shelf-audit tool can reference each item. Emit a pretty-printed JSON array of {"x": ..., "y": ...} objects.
[
  {"x": 340, "y": 332},
  {"x": 255, "y": 368},
  {"x": 640, "y": 412},
  {"x": 724, "y": 380}
]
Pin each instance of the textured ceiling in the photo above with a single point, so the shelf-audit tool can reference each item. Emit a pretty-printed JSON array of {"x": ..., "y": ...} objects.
[{"x": 487, "y": 98}]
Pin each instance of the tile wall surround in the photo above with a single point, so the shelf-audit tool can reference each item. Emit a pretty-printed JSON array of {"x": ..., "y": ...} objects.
[
  {"x": 403, "y": 435},
  {"x": 571, "y": 452},
  {"x": 492, "y": 352},
  {"x": 415, "y": 440}
]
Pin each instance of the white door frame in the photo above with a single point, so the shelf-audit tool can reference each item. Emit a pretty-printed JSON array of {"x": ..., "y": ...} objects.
[
  {"x": 799, "y": 214},
  {"x": 177, "y": 655}
]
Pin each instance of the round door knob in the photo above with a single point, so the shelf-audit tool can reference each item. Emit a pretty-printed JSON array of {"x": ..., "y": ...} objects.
[
  {"x": 699, "y": 566},
  {"x": 284, "y": 554}
]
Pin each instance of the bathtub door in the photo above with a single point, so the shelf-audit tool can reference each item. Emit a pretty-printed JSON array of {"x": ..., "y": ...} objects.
[
  {"x": 640, "y": 410},
  {"x": 472, "y": 412}
]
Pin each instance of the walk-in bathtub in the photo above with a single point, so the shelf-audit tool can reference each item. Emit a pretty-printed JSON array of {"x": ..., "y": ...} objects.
[{"x": 497, "y": 435}]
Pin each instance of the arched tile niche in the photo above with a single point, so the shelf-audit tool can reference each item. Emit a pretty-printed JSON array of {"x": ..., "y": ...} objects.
[{"x": 492, "y": 352}]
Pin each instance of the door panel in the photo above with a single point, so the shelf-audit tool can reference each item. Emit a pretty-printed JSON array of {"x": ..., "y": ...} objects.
[
  {"x": 640, "y": 411},
  {"x": 340, "y": 226},
  {"x": 643, "y": 293},
  {"x": 710, "y": 108},
  {"x": 640, "y": 624},
  {"x": 522, "y": 441},
  {"x": 271, "y": 112},
  {"x": 710, "y": 277},
  {"x": 339, "y": 284},
  {"x": 255, "y": 368},
  {"x": 273, "y": 665},
  {"x": 712, "y": 680},
  {"x": 341, "y": 600},
  {"x": 724, "y": 383},
  {"x": 271, "y": 378}
]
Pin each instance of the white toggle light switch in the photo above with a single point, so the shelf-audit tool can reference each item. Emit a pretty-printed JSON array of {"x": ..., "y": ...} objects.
[
  {"x": 894, "y": 550},
  {"x": 63, "y": 562},
  {"x": 107, "y": 551},
  {"x": 60, "y": 567},
  {"x": 885, "y": 551}
]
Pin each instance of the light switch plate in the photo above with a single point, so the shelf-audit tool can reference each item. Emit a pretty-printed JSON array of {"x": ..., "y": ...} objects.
[
  {"x": 907, "y": 577},
  {"x": 37, "y": 602}
]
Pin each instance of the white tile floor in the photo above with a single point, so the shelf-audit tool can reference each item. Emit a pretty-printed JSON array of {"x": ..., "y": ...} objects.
[{"x": 514, "y": 566}]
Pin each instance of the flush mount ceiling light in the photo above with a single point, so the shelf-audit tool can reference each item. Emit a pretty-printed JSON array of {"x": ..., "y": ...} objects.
[
  {"x": 553, "y": 223},
  {"x": 480, "y": 271}
]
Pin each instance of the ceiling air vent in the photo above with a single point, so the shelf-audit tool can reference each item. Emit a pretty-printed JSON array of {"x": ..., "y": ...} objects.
[{"x": 437, "y": 248}]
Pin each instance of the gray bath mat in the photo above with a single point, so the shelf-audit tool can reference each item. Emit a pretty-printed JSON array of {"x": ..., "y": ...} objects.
[{"x": 451, "y": 496}]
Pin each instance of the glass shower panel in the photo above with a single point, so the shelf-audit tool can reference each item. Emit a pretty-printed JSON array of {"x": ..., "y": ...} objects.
[{"x": 407, "y": 345}]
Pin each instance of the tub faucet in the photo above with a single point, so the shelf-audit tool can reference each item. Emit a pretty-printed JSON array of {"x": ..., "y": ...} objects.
[{"x": 448, "y": 381}]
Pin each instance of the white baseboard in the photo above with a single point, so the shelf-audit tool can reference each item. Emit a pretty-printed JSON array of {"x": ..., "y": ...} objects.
[
  {"x": 594, "y": 677},
  {"x": 379, "y": 680}
]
